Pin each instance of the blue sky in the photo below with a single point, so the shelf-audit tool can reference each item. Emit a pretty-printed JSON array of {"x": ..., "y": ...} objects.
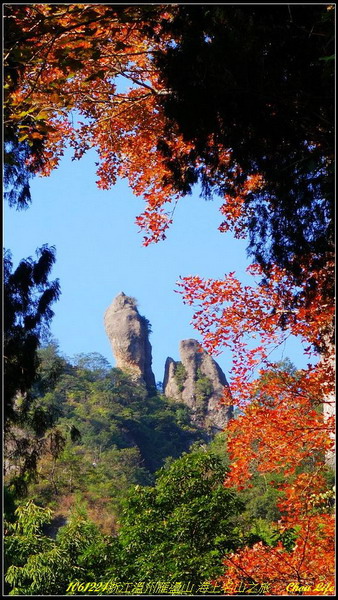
[{"x": 100, "y": 253}]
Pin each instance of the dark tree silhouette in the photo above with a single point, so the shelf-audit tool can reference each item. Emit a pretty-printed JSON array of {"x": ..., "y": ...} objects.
[
  {"x": 257, "y": 80},
  {"x": 28, "y": 295},
  {"x": 17, "y": 149}
]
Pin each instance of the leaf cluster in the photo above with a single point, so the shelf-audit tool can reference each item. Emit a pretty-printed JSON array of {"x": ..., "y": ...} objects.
[
  {"x": 28, "y": 295},
  {"x": 115, "y": 435},
  {"x": 241, "y": 85}
]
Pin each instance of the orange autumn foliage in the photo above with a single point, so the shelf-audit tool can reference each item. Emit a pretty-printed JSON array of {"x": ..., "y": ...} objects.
[
  {"x": 74, "y": 55},
  {"x": 87, "y": 78},
  {"x": 282, "y": 426}
]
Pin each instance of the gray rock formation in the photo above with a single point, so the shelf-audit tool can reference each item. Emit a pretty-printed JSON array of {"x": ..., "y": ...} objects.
[
  {"x": 128, "y": 333},
  {"x": 198, "y": 381}
]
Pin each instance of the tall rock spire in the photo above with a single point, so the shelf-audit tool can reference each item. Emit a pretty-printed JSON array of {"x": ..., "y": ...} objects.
[
  {"x": 198, "y": 381},
  {"x": 128, "y": 333}
]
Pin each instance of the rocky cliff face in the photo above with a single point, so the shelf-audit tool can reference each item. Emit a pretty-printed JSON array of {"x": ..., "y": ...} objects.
[
  {"x": 128, "y": 333},
  {"x": 198, "y": 381}
]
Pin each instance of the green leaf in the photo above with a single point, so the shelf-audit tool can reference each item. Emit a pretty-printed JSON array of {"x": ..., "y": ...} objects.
[{"x": 326, "y": 58}]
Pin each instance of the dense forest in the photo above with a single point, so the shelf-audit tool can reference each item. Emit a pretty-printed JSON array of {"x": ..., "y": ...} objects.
[
  {"x": 124, "y": 490},
  {"x": 111, "y": 488}
]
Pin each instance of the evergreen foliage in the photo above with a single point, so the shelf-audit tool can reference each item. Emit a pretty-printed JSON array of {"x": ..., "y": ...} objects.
[
  {"x": 177, "y": 530},
  {"x": 204, "y": 389},
  {"x": 180, "y": 375},
  {"x": 28, "y": 295},
  {"x": 112, "y": 434},
  {"x": 240, "y": 79},
  {"x": 128, "y": 525},
  {"x": 180, "y": 529},
  {"x": 37, "y": 564}
]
